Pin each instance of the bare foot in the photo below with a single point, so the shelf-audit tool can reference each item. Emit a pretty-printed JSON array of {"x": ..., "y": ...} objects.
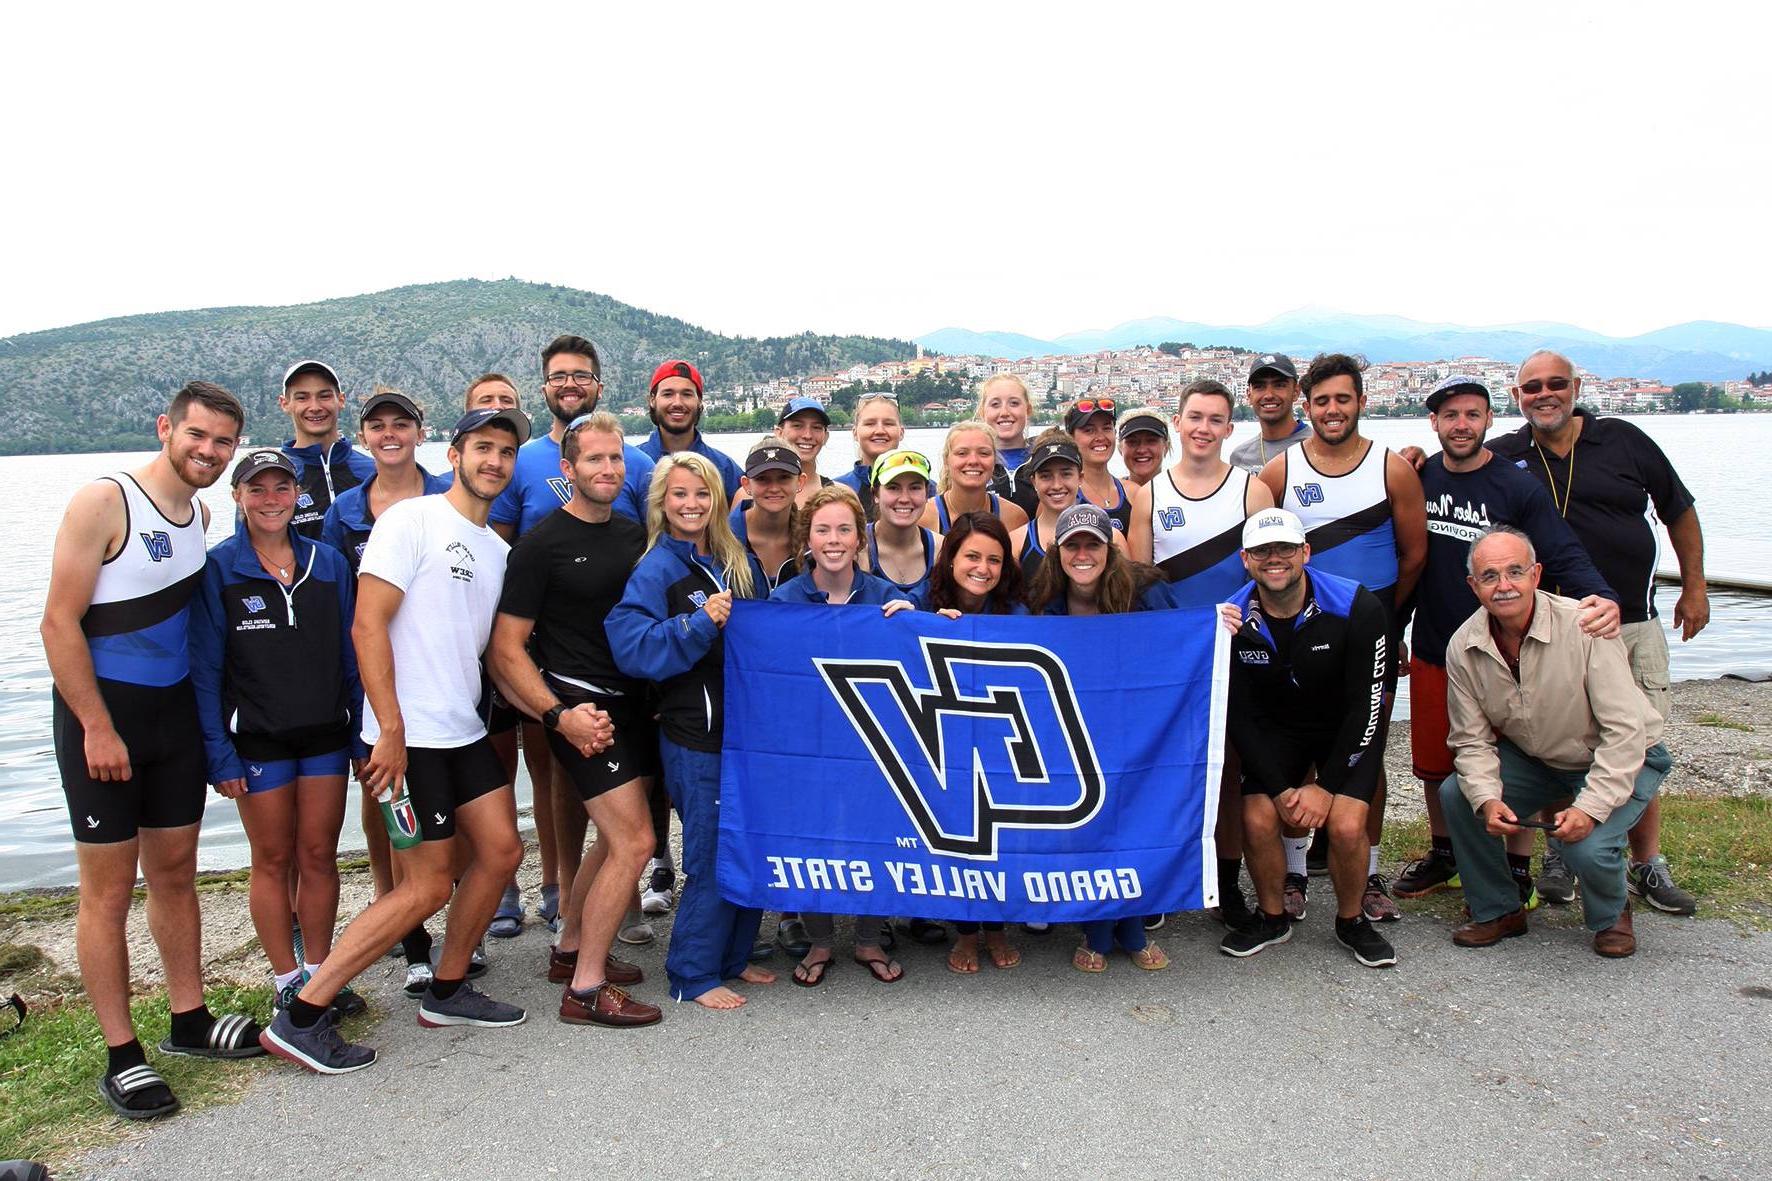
[
  {"x": 963, "y": 957},
  {"x": 1002, "y": 955},
  {"x": 719, "y": 997},
  {"x": 755, "y": 975}
]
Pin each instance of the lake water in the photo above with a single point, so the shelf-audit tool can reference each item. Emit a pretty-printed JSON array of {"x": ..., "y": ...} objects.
[{"x": 1710, "y": 452}]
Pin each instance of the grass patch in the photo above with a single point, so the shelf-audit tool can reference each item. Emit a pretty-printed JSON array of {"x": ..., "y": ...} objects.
[
  {"x": 49, "y": 1072},
  {"x": 1722, "y": 722},
  {"x": 1720, "y": 848}
]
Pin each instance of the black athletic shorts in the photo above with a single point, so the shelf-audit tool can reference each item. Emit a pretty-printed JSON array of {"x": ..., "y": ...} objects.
[
  {"x": 634, "y": 752},
  {"x": 500, "y": 716},
  {"x": 1297, "y": 754},
  {"x": 168, "y": 773},
  {"x": 442, "y": 780}
]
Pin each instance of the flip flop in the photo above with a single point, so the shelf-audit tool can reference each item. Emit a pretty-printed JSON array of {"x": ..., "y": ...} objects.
[
  {"x": 232, "y": 1036},
  {"x": 814, "y": 973},
  {"x": 115, "y": 1089},
  {"x": 1085, "y": 960},
  {"x": 886, "y": 971},
  {"x": 507, "y": 921}
]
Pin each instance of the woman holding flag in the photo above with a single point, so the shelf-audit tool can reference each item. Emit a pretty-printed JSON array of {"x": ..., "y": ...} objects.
[
  {"x": 1090, "y": 576},
  {"x": 974, "y": 575},
  {"x": 666, "y": 629},
  {"x": 829, "y": 527}
]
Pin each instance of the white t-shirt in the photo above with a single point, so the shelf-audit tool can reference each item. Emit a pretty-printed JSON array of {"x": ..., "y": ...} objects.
[{"x": 452, "y": 572}]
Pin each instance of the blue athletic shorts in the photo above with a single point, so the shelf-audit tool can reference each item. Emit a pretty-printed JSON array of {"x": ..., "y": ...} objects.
[{"x": 270, "y": 774}]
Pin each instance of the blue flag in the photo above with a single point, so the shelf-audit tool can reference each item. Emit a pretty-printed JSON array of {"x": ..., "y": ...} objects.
[{"x": 1032, "y": 768}]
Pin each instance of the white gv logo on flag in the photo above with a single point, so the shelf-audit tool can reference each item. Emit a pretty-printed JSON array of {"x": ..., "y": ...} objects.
[{"x": 996, "y": 741}]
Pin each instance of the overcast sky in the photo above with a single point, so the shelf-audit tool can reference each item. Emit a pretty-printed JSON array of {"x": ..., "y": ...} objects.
[{"x": 892, "y": 169}]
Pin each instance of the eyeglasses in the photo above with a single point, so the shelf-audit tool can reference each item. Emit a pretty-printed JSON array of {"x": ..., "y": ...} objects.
[
  {"x": 579, "y": 377},
  {"x": 1091, "y": 405},
  {"x": 1492, "y": 576},
  {"x": 1276, "y": 549},
  {"x": 1555, "y": 385}
]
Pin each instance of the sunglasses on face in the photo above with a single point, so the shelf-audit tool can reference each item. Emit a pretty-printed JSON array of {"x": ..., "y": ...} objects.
[{"x": 1555, "y": 385}]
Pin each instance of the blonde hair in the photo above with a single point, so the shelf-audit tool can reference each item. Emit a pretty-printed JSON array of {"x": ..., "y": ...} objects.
[
  {"x": 942, "y": 479},
  {"x": 984, "y": 388},
  {"x": 723, "y": 546}
]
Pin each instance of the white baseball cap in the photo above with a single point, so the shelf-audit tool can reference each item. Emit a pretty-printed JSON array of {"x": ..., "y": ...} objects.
[{"x": 1271, "y": 525}]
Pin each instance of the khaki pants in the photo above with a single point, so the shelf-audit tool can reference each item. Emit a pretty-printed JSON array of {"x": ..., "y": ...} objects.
[{"x": 1645, "y": 644}]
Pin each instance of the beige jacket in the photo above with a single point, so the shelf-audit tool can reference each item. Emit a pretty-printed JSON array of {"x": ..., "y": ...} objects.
[{"x": 1575, "y": 707}]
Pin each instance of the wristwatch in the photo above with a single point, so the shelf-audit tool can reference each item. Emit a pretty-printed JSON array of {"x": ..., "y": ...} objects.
[{"x": 551, "y": 719}]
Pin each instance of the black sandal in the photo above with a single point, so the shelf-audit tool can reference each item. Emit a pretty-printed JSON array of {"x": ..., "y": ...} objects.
[
  {"x": 811, "y": 975},
  {"x": 116, "y": 1089},
  {"x": 882, "y": 969},
  {"x": 232, "y": 1036}
]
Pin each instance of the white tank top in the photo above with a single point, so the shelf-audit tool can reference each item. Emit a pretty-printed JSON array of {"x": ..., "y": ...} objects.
[
  {"x": 135, "y": 625},
  {"x": 1346, "y": 518},
  {"x": 1197, "y": 543}
]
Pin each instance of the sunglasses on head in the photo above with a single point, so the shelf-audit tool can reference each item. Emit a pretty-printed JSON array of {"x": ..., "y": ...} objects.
[
  {"x": 1091, "y": 405},
  {"x": 1555, "y": 385}
]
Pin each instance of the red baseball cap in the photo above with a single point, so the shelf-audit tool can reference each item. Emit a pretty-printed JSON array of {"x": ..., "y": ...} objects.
[{"x": 676, "y": 369}]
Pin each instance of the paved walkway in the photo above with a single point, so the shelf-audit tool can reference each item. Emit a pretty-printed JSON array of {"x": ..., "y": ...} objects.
[{"x": 1531, "y": 1059}]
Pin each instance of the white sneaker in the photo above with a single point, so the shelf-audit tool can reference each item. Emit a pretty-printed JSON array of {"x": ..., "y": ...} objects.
[
  {"x": 655, "y": 894},
  {"x": 418, "y": 978},
  {"x": 637, "y": 932}
]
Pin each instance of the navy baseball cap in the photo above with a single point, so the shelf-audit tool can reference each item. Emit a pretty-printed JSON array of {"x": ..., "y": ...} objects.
[
  {"x": 267, "y": 460},
  {"x": 1063, "y": 451},
  {"x": 473, "y": 420},
  {"x": 800, "y": 405},
  {"x": 772, "y": 455},
  {"x": 1278, "y": 362},
  {"x": 1458, "y": 383}
]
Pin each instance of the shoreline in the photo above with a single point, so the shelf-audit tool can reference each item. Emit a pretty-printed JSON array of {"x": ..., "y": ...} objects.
[{"x": 1720, "y": 733}]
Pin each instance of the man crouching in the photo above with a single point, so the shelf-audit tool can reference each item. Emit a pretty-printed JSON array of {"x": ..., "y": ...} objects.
[{"x": 1543, "y": 716}]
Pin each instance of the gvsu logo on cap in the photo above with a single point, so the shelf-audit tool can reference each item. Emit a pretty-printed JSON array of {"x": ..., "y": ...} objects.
[{"x": 996, "y": 741}]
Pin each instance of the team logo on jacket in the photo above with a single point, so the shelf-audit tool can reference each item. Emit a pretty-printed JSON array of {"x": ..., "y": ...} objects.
[
  {"x": 997, "y": 740},
  {"x": 159, "y": 544},
  {"x": 253, "y": 603},
  {"x": 305, "y": 500}
]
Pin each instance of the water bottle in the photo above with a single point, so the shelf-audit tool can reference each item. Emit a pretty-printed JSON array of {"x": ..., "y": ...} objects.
[{"x": 399, "y": 817}]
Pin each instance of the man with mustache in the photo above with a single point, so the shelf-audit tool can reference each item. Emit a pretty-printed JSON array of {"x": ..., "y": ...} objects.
[
  {"x": 1469, "y": 490},
  {"x": 128, "y": 742},
  {"x": 674, "y": 404},
  {"x": 1604, "y": 474},
  {"x": 1544, "y": 716},
  {"x": 1361, "y": 506}
]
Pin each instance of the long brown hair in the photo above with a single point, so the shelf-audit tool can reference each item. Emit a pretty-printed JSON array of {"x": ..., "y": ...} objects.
[
  {"x": 942, "y": 591},
  {"x": 1122, "y": 582}
]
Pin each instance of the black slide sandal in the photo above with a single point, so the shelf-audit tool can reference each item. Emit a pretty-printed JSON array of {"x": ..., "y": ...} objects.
[{"x": 117, "y": 1088}]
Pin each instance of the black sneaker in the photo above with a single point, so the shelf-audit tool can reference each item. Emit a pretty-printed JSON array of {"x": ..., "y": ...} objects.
[
  {"x": 319, "y": 1048},
  {"x": 1555, "y": 882},
  {"x": 1154, "y": 922},
  {"x": 1316, "y": 858},
  {"x": 1264, "y": 930},
  {"x": 1233, "y": 908},
  {"x": 1424, "y": 875},
  {"x": 347, "y": 1003},
  {"x": 1362, "y": 938}
]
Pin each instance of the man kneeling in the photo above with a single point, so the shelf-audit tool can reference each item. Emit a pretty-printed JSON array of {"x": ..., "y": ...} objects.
[{"x": 1542, "y": 714}]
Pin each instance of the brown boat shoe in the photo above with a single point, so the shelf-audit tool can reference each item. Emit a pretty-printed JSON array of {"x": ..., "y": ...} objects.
[
  {"x": 606, "y": 1004},
  {"x": 1619, "y": 940},
  {"x": 1475, "y": 934}
]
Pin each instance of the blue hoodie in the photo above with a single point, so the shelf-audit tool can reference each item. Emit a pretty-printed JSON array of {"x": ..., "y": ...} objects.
[
  {"x": 321, "y": 479},
  {"x": 269, "y": 661},
  {"x": 867, "y": 588},
  {"x": 347, "y": 525},
  {"x": 730, "y": 474},
  {"x": 659, "y": 633}
]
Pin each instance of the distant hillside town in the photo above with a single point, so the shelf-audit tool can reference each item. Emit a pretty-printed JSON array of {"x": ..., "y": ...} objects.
[{"x": 1155, "y": 376}]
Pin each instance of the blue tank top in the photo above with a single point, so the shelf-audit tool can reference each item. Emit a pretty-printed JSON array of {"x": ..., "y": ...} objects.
[
  {"x": 918, "y": 589},
  {"x": 941, "y": 510},
  {"x": 137, "y": 621},
  {"x": 1346, "y": 518}
]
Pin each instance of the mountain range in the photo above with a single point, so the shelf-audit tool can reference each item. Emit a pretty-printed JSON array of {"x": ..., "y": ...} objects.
[
  {"x": 98, "y": 386},
  {"x": 1702, "y": 350}
]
